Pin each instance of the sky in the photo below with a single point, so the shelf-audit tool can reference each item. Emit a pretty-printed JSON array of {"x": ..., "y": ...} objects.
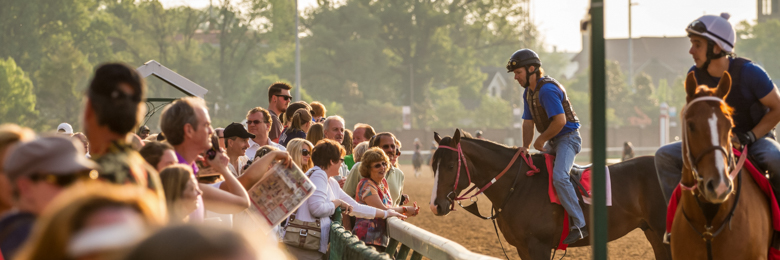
[{"x": 558, "y": 20}]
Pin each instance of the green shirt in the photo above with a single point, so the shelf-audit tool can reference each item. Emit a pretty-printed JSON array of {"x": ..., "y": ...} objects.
[
  {"x": 395, "y": 182},
  {"x": 350, "y": 161}
]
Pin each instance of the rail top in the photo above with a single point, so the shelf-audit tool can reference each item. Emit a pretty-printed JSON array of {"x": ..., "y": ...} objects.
[{"x": 429, "y": 244}]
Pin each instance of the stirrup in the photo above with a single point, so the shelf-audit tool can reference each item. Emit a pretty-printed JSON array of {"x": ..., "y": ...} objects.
[{"x": 667, "y": 237}]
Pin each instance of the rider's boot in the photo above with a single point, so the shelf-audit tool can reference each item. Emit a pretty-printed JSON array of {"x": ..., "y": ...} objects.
[{"x": 575, "y": 235}]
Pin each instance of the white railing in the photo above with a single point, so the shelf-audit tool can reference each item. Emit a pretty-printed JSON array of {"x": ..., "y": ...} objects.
[{"x": 424, "y": 243}]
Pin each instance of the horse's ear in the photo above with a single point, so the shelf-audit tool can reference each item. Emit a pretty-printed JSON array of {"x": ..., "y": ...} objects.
[
  {"x": 436, "y": 137},
  {"x": 690, "y": 85},
  {"x": 724, "y": 86},
  {"x": 456, "y": 137}
]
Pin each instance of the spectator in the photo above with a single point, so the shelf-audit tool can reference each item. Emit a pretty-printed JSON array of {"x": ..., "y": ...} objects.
[
  {"x": 295, "y": 106},
  {"x": 38, "y": 170},
  {"x": 299, "y": 125},
  {"x": 315, "y": 134},
  {"x": 328, "y": 195},
  {"x": 237, "y": 141},
  {"x": 347, "y": 143},
  {"x": 318, "y": 112},
  {"x": 113, "y": 109},
  {"x": 187, "y": 126},
  {"x": 372, "y": 190},
  {"x": 181, "y": 192},
  {"x": 266, "y": 149},
  {"x": 395, "y": 177},
  {"x": 10, "y": 134},
  {"x": 334, "y": 130},
  {"x": 159, "y": 155},
  {"x": 628, "y": 151},
  {"x": 258, "y": 122},
  {"x": 359, "y": 150},
  {"x": 478, "y": 134},
  {"x": 362, "y": 132},
  {"x": 278, "y": 99},
  {"x": 83, "y": 139},
  {"x": 94, "y": 220},
  {"x": 188, "y": 242},
  {"x": 143, "y": 132},
  {"x": 417, "y": 158},
  {"x": 220, "y": 132},
  {"x": 160, "y": 137},
  {"x": 65, "y": 128},
  {"x": 300, "y": 151}
]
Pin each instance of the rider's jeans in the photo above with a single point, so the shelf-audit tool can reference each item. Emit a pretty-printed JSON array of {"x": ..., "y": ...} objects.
[
  {"x": 565, "y": 148},
  {"x": 668, "y": 163}
]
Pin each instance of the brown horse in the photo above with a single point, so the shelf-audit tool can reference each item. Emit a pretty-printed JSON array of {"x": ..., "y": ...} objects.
[
  {"x": 713, "y": 219},
  {"x": 528, "y": 220}
]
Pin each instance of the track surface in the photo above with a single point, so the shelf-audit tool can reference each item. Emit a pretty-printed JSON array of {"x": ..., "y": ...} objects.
[{"x": 478, "y": 236}]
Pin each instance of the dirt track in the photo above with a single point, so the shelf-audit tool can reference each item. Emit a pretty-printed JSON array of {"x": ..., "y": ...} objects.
[{"x": 478, "y": 236}]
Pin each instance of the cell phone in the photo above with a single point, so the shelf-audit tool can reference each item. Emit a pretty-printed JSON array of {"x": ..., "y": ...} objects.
[{"x": 212, "y": 152}]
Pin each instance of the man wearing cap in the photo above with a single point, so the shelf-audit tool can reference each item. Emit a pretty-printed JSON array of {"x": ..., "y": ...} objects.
[
  {"x": 65, "y": 129},
  {"x": 753, "y": 96},
  {"x": 113, "y": 109},
  {"x": 143, "y": 132},
  {"x": 236, "y": 143},
  {"x": 38, "y": 170},
  {"x": 259, "y": 123},
  {"x": 546, "y": 107}
]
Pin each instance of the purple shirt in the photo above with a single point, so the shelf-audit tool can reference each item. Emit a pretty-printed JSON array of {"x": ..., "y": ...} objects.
[{"x": 199, "y": 213}]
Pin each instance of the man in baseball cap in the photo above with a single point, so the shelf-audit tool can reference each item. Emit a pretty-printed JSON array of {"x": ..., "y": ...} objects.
[
  {"x": 65, "y": 128},
  {"x": 236, "y": 143},
  {"x": 38, "y": 170}
]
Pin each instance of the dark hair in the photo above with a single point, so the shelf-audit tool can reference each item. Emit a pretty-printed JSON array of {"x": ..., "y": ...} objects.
[
  {"x": 113, "y": 106},
  {"x": 191, "y": 242},
  {"x": 316, "y": 133},
  {"x": 294, "y": 106},
  {"x": 160, "y": 137},
  {"x": 369, "y": 130},
  {"x": 374, "y": 141},
  {"x": 152, "y": 152},
  {"x": 265, "y": 149},
  {"x": 177, "y": 115},
  {"x": 325, "y": 152},
  {"x": 347, "y": 142},
  {"x": 300, "y": 118},
  {"x": 276, "y": 89}
]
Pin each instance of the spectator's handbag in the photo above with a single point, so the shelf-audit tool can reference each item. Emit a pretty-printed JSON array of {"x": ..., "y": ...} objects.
[{"x": 302, "y": 234}]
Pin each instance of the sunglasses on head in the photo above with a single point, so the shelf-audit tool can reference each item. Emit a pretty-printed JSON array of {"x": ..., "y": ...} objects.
[
  {"x": 305, "y": 152},
  {"x": 286, "y": 98},
  {"x": 380, "y": 165},
  {"x": 699, "y": 27},
  {"x": 257, "y": 122}
]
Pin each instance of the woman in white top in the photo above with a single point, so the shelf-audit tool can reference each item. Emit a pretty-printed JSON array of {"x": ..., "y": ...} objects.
[{"x": 322, "y": 204}]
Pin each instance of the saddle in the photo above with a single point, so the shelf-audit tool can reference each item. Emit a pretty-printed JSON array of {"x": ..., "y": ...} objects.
[{"x": 575, "y": 175}]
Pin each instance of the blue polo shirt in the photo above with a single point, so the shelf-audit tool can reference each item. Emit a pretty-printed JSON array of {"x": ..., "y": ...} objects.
[{"x": 551, "y": 98}]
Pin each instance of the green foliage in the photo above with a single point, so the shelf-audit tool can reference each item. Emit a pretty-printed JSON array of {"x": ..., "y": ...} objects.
[
  {"x": 759, "y": 42},
  {"x": 17, "y": 100},
  {"x": 493, "y": 113}
]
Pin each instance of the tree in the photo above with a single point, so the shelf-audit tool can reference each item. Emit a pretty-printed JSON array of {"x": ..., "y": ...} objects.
[
  {"x": 17, "y": 100},
  {"x": 759, "y": 42},
  {"x": 62, "y": 82}
]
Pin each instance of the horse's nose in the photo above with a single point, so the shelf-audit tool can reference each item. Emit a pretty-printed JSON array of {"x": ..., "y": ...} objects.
[
  {"x": 716, "y": 191},
  {"x": 434, "y": 208}
]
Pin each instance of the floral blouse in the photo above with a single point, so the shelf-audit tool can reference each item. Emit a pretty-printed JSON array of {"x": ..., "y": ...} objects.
[{"x": 372, "y": 231}]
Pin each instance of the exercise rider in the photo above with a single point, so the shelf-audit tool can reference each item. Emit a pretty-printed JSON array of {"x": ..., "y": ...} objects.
[
  {"x": 753, "y": 96},
  {"x": 546, "y": 106}
]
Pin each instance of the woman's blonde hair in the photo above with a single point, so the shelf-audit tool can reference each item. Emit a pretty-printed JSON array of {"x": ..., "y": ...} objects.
[
  {"x": 316, "y": 133},
  {"x": 67, "y": 214},
  {"x": 295, "y": 148},
  {"x": 359, "y": 150},
  {"x": 174, "y": 180},
  {"x": 370, "y": 157}
]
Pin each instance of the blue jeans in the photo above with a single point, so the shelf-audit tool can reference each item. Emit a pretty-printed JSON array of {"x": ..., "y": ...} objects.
[
  {"x": 668, "y": 162},
  {"x": 565, "y": 148}
]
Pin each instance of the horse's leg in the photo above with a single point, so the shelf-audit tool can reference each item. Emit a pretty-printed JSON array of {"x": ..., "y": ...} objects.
[
  {"x": 536, "y": 250},
  {"x": 661, "y": 250}
]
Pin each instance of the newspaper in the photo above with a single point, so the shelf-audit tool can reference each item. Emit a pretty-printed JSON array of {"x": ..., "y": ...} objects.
[{"x": 279, "y": 194}]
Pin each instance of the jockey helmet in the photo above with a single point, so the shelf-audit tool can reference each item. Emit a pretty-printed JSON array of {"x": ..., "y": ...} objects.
[
  {"x": 523, "y": 58},
  {"x": 717, "y": 30}
]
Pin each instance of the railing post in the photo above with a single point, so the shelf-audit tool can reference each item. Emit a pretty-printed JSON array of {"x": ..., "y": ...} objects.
[{"x": 598, "y": 102}]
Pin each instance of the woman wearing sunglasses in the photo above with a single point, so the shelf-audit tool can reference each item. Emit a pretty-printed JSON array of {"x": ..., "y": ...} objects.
[
  {"x": 372, "y": 190},
  {"x": 300, "y": 151}
]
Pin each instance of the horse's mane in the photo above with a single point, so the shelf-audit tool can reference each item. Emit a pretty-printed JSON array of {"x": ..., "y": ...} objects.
[
  {"x": 704, "y": 90},
  {"x": 488, "y": 142}
]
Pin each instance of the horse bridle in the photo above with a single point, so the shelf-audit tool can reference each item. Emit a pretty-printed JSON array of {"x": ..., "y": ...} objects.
[
  {"x": 735, "y": 169},
  {"x": 462, "y": 162}
]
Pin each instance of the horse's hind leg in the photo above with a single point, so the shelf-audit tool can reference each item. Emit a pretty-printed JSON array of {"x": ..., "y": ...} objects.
[
  {"x": 661, "y": 250},
  {"x": 535, "y": 250}
]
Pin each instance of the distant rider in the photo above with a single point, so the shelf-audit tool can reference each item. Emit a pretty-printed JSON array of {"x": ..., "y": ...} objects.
[
  {"x": 753, "y": 96},
  {"x": 546, "y": 106}
]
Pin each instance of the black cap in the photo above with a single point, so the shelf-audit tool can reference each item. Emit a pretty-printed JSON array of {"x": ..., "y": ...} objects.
[{"x": 236, "y": 129}]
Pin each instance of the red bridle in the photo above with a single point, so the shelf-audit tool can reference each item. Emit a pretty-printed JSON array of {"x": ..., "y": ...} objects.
[{"x": 462, "y": 161}]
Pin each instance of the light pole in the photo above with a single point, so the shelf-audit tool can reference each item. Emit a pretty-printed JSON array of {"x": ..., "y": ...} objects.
[
  {"x": 630, "y": 48},
  {"x": 297, "y": 57}
]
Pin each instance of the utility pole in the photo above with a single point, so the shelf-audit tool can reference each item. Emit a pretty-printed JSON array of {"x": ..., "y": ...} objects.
[
  {"x": 630, "y": 48},
  {"x": 598, "y": 110},
  {"x": 297, "y": 57},
  {"x": 411, "y": 91}
]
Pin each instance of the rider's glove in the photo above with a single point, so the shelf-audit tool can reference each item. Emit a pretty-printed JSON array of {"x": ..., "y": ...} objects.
[{"x": 746, "y": 138}]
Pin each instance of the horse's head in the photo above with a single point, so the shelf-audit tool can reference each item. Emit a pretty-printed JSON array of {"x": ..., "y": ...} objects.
[
  {"x": 706, "y": 139},
  {"x": 445, "y": 166}
]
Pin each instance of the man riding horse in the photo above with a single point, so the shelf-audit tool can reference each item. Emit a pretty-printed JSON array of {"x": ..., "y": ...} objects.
[
  {"x": 753, "y": 96},
  {"x": 546, "y": 106}
]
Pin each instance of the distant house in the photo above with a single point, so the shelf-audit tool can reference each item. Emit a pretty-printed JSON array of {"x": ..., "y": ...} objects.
[
  {"x": 768, "y": 9},
  {"x": 660, "y": 57}
]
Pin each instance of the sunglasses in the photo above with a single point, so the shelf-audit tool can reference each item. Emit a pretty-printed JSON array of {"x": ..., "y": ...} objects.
[
  {"x": 305, "y": 152},
  {"x": 699, "y": 27},
  {"x": 380, "y": 165},
  {"x": 286, "y": 98},
  {"x": 388, "y": 147},
  {"x": 257, "y": 122},
  {"x": 64, "y": 180}
]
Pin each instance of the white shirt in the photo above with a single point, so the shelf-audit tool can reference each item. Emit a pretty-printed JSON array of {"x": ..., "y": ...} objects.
[
  {"x": 253, "y": 147},
  {"x": 237, "y": 171},
  {"x": 319, "y": 205}
]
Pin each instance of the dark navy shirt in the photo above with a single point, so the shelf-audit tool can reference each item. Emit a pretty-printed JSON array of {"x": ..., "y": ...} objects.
[
  {"x": 551, "y": 98},
  {"x": 290, "y": 134},
  {"x": 754, "y": 84},
  {"x": 15, "y": 228}
]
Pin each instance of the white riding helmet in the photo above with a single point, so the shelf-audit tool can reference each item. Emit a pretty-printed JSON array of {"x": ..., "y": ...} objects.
[{"x": 716, "y": 28}]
